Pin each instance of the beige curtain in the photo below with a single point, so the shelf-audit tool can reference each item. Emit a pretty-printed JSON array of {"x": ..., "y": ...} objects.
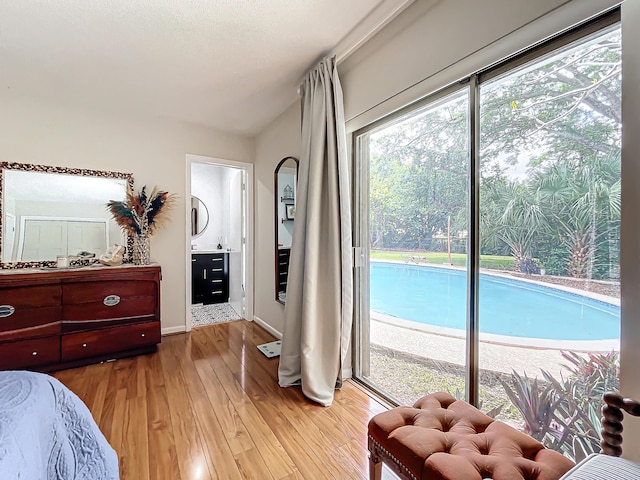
[{"x": 319, "y": 305}]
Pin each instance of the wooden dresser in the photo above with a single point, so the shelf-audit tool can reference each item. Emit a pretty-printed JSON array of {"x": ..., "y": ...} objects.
[{"x": 55, "y": 319}]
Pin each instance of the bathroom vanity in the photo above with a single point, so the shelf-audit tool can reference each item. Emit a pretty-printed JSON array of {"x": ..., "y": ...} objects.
[{"x": 209, "y": 277}]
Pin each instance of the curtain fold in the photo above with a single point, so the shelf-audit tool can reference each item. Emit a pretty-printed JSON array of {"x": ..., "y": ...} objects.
[{"x": 319, "y": 305}]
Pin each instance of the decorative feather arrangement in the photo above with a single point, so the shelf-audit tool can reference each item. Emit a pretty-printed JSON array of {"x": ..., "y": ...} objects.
[{"x": 142, "y": 213}]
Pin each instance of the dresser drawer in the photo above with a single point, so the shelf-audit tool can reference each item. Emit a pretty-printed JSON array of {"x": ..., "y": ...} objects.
[
  {"x": 92, "y": 292},
  {"x": 109, "y": 340},
  {"x": 31, "y": 297},
  {"x": 27, "y": 312},
  {"x": 31, "y": 322},
  {"x": 29, "y": 353},
  {"x": 127, "y": 308}
]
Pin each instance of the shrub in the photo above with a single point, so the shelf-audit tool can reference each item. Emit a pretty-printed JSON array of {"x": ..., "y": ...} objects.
[
  {"x": 529, "y": 266},
  {"x": 565, "y": 414}
]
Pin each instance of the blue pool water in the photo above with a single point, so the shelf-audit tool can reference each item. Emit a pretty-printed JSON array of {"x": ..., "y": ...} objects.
[{"x": 437, "y": 296}]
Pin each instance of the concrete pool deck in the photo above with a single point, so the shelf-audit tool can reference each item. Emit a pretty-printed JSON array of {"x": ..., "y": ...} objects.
[{"x": 400, "y": 335}]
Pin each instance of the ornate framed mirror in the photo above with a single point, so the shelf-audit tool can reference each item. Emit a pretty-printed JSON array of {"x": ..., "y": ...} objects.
[
  {"x": 48, "y": 211},
  {"x": 285, "y": 178}
]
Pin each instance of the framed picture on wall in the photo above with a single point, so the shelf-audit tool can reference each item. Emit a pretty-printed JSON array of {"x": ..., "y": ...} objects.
[{"x": 291, "y": 212}]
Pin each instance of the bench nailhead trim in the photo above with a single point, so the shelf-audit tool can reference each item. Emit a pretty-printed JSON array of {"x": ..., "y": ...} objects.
[{"x": 388, "y": 454}]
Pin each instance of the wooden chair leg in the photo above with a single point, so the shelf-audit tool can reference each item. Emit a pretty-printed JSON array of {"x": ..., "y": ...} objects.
[{"x": 375, "y": 467}]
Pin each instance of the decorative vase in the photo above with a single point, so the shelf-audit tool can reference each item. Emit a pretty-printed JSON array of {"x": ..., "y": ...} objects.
[{"x": 141, "y": 250}]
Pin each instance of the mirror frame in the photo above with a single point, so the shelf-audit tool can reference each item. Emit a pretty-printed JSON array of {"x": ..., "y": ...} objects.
[
  {"x": 276, "y": 204},
  {"x": 26, "y": 167}
]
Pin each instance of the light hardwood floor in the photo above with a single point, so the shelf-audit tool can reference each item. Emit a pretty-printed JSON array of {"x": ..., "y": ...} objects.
[{"x": 207, "y": 406}]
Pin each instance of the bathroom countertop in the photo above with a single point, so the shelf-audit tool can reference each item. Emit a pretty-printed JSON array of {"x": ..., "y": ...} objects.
[{"x": 215, "y": 251}]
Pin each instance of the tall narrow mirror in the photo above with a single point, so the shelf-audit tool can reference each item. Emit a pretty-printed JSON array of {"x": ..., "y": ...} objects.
[{"x": 284, "y": 178}]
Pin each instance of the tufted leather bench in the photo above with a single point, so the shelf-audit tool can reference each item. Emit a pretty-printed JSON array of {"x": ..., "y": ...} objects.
[{"x": 441, "y": 438}]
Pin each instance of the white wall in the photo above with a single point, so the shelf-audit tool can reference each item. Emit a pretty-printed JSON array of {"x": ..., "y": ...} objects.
[
  {"x": 152, "y": 149},
  {"x": 207, "y": 184},
  {"x": 281, "y": 139},
  {"x": 219, "y": 189},
  {"x": 630, "y": 249}
]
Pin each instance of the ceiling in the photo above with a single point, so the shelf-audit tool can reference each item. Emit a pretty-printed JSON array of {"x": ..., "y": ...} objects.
[{"x": 233, "y": 65}]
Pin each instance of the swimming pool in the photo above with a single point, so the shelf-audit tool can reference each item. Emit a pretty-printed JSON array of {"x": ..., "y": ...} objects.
[{"x": 437, "y": 296}]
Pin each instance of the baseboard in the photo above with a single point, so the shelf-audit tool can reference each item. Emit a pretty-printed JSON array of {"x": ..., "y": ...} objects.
[
  {"x": 267, "y": 327},
  {"x": 172, "y": 330}
]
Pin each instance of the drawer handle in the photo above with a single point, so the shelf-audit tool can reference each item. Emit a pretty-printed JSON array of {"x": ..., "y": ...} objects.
[
  {"x": 34, "y": 353},
  {"x": 216, "y": 269},
  {"x": 216, "y": 292},
  {"x": 111, "y": 300},
  {"x": 216, "y": 259},
  {"x": 6, "y": 310},
  {"x": 216, "y": 281},
  {"x": 142, "y": 334},
  {"x": 84, "y": 345}
]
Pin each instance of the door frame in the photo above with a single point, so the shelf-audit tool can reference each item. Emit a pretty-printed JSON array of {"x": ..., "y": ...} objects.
[{"x": 248, "y": 228}]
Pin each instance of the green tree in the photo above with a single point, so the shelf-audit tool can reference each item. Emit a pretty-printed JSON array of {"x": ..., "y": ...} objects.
[
  {"x": 566, "y": 105},
  {"x": 582, "y": 201},
  {"x": 511, "y": 213},
  {"x": 553, "y": 128},
  {"x": 420, "y": 165},
  {"x": 559, "y": 115}
]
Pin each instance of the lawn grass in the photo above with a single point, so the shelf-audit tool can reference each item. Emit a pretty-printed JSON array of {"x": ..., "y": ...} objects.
[
  {"x": 496, "y": 262},
  {"x": 408, "y": 377}
]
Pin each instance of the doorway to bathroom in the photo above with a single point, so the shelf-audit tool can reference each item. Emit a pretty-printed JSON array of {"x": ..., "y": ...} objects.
[{"x": 219, "y": 250}]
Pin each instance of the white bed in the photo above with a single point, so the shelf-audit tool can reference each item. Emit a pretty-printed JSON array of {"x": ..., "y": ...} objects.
[{"x": 48, "y": 433}]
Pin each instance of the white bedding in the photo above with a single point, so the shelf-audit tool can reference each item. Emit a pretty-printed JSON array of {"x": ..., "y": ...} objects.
[{"x": 48, "y": 433}]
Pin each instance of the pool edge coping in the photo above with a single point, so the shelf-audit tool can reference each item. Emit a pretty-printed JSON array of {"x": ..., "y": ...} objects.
[{"x": 605, "y": 345}]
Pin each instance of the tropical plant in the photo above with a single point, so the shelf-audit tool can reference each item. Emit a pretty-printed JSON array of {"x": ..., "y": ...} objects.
[
  {"x": 565, "y": 414},
  {"x": 536, "y": 403},
  {"x": 511, "y": 213},
  {"x": 579, "y": 411}
]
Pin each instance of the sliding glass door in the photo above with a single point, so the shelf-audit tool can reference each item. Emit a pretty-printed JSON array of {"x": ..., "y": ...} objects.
[
  {"x": 535, "y": 248},
  {"x": 415, "y": 172},
  {"x": 550, "y": 133}
]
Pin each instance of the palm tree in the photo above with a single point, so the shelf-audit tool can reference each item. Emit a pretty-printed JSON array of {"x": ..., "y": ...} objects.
[
  {"x": 511, "y": 213},
  {"x": 582, "y": 204}
]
